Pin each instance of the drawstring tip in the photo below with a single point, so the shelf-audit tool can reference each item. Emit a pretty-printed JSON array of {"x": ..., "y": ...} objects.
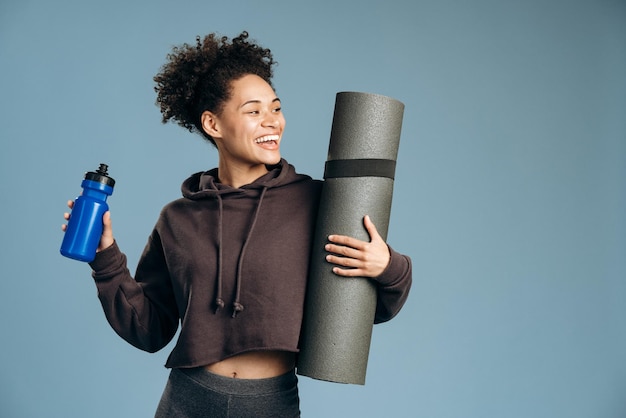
[
  {"x": 237, "y": 307},
  {"x": 219, "y": 304}
]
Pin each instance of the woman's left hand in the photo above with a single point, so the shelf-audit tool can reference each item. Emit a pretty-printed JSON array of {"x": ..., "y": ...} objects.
[{"x": 360, "y": 258}]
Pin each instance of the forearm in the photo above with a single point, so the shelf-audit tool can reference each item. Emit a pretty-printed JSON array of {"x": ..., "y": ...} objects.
[
  {"x": 129, "y": 311},
  {"x": 393, "y": 286}
]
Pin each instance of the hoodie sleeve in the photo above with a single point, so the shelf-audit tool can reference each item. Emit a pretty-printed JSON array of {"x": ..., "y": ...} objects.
[
  {"x": 393, "y": 287},
  {"x": 141, "y": 312}
]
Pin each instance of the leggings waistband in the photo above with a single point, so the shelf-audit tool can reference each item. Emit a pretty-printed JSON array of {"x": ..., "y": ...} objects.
[{"x": 234, "y": 386}]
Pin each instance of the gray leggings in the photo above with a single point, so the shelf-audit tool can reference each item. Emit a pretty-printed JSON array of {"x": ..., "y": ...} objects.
[{"x": 199, "y": 393}]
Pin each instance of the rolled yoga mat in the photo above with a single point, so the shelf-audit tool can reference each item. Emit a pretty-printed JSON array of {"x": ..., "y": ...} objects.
[{"x": 339, "y": 311}]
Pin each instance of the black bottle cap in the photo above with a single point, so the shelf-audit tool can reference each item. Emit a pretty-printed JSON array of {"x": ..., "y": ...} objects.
[{"x": 100, "y": 176}]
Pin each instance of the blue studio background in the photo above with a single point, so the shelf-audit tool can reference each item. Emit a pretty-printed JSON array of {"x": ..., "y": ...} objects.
[{"x": 510, "y": 193}]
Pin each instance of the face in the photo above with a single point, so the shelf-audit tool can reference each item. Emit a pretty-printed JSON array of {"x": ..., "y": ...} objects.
[{"x": 249, "y": 129}]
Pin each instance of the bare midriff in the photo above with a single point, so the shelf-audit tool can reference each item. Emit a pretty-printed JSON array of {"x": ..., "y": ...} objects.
[{"x": 255, "y": 365}]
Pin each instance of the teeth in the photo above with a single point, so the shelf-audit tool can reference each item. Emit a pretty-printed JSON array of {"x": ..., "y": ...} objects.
[{"x": 266, "y": 138}]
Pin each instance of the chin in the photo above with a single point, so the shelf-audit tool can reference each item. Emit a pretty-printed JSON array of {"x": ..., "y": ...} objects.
[{"x": 273, "y": 160}]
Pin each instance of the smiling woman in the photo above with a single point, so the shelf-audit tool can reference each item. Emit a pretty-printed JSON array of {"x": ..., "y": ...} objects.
[
  {"x": 247, "y": 131},
  {"x": 228, "y": 261}
]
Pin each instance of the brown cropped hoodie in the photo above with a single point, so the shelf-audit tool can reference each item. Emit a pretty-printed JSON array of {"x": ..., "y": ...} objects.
[{"x": 229, "y": 265}]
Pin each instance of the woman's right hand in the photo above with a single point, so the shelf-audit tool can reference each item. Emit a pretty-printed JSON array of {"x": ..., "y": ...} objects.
[{"x": 106, "y": 240}]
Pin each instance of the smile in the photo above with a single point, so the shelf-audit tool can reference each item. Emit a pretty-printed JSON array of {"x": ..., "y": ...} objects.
[{"x": 267, "y": 138}]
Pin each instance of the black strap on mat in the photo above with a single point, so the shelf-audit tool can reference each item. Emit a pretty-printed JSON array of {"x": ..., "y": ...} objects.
[{"x": 365, "y": 167}]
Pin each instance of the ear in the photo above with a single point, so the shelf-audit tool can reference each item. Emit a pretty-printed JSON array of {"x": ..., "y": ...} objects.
[{"x": 210, "y": 124}]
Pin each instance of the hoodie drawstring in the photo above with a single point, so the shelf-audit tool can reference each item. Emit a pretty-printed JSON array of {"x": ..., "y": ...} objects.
[
  {"x": 237, "y": 306},
  {"x": 219, "y": 301}
]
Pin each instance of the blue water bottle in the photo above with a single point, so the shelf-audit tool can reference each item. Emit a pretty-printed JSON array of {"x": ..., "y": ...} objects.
[{"x": 84, "y": 228}]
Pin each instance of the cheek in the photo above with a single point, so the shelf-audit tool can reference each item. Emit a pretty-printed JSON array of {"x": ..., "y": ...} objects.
[{"x": 249, "y": 128}]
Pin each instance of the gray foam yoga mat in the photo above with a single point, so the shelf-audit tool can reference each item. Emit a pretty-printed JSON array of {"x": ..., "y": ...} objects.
[{"x": 339, "y": 311}]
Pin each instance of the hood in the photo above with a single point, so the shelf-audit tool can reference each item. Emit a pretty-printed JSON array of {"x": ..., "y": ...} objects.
[{"x": 206, "y": 185}]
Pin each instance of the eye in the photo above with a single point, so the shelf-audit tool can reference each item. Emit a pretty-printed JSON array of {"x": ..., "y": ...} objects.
[{"x": 278, "y": 110}]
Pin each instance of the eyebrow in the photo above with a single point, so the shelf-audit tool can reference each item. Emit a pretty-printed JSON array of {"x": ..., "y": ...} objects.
[{"x": 258, "y": 101}]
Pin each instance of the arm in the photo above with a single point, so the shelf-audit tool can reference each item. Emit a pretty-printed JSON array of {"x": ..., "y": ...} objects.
[
  {"x": 391, "y": 271},
  {"x": 393, "y": 287},
  {"x": 141, "y": 311}
]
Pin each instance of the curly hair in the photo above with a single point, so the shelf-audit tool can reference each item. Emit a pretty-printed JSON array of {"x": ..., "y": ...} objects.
[{"x": 198, "y": 78}]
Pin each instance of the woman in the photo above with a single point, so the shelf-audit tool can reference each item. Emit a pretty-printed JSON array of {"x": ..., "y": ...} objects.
[{"x": 228, "y": 261}]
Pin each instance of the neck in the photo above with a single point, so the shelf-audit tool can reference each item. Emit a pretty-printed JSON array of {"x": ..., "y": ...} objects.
[{"x": 239, "y": 176}]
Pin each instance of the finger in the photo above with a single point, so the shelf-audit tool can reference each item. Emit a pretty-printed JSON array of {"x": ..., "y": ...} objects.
[
  {"x": 343, "y": 250},
  {"x": 107, "y": 225},
  {"x": 343, "y": 261},
  {"x": 70, "y": 204},
  {"x": 106, "y": 219},
  {"x": 66, "y": 216},
  {"x": 349, "y": 272},
  {"x": 347, "y": 241},
  {"x": 106, "y": 240},
  {"x": 371, "y": 228}
]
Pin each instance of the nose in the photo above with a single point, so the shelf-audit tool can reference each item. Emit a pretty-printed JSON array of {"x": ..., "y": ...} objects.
[{"x": 271, "y": 120}]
